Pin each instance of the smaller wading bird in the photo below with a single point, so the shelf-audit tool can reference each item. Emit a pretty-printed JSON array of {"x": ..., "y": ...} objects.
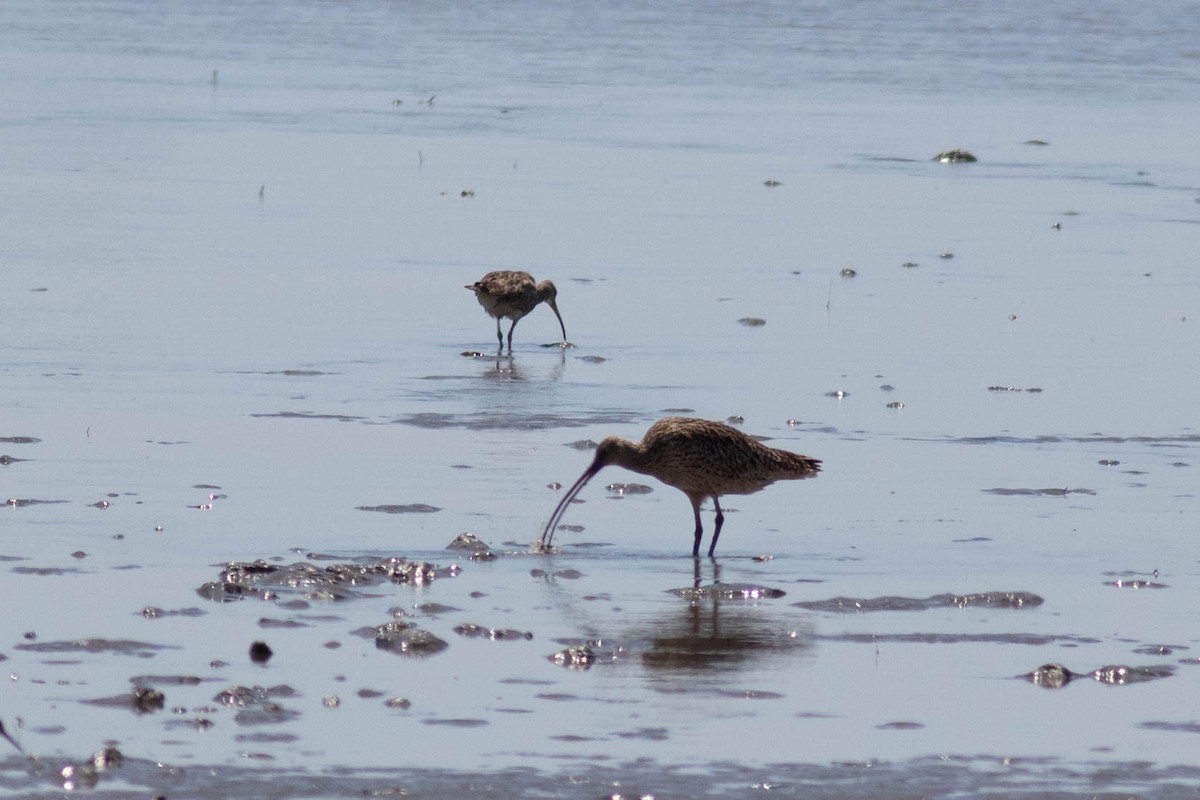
[
  {"x": 701, "y": 459},
  {"x": 513, "y": 294}
]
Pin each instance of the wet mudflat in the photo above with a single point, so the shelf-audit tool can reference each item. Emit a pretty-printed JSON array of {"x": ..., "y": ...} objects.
[{"x": 270, "y": 493}]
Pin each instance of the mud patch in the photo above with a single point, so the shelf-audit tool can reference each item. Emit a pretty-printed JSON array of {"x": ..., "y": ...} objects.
[
  {"x": 749, "y": 694},
  {"x": 119, "y": 647},
  {"x": 308, "y": 415},
  {"x": 410, "y": 508},
  {"x": 337, "y": 581},
  {"x": 52, "y": 571},
  {"x": 256, "y": 705},
  {"x": 1027, "y": 639},
  {"x": 1121, "y": 675},
  {"x": 151, "y": 612},
  {"x": 1177, "y": 727},
  {"x": 900, "y": 726},
  {"x": 1056, "y": 676},
  {"x": 470, "y": 630},
  {"x": 457, "y": 723},
  {"x": 623, "y": 489},
  {"x": 728, "y": 591},
  {"x": 168, "y": 680},
  {"x": 1182, "y": 439},
  {"x": 1135, "y": 583},
  {"x": 1052, "y": 492},
  {"x": 858, "y": 605},
  {"x": 290, "y": 373},
  {"x": 140, "y": 700},
  {"x": 406, "y": 639},
  {"x": 491, "y": 420}
]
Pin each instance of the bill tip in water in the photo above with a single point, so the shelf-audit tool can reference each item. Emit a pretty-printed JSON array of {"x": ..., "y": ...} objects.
[{"x": 561, "y": 345}]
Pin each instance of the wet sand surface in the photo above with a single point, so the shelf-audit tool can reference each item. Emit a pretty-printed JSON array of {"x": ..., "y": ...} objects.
[{"x": 250, "y": 415}]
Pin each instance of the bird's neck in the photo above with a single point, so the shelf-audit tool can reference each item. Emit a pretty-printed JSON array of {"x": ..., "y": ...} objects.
[{"x": 624, "y": 453}]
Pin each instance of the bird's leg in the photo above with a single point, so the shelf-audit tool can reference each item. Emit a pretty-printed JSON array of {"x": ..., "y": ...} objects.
[
  {"x": 510, "y": 330},
  {"x": 717, "y": 531},
  {"x": 500, "y": 337},
  {"x": 699, "y": 527}
]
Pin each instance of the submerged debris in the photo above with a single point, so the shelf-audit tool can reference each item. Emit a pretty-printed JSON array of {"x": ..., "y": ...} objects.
[
  {"x": 955, "y": 157},
  {"x": 577, "y": 657},
  {"x": 478, "y": 548},
  {"x": 260, "y": 652},
  {"x": 87, "y": 775},
  {"x": 405, "y": 638},
  {"x": 146, "y": 699},
  {"x": 1050, "y": 676}
]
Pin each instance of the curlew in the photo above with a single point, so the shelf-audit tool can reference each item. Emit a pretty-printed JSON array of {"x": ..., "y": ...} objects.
[
  {"x": 513, "y": 294},
  {"x": 699, "y": 458}
]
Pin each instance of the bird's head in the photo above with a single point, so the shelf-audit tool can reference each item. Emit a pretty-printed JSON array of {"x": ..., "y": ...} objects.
[{"x": 548, "y": 291}]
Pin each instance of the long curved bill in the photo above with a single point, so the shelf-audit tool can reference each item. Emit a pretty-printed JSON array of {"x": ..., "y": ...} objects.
[
  {"x": 556, "y": 517},
  {"x": 554, "y": 307}
]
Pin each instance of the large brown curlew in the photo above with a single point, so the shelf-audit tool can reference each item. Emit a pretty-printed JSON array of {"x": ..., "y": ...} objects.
[
  {"x": 513, "y": 294},
  {"x": 698, "y": 457}
]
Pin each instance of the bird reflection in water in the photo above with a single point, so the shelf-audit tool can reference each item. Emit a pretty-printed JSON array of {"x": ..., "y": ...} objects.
[{"x": 723, "y": 627}]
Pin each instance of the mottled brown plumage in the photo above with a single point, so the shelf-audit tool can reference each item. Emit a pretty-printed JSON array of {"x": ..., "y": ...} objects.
[
  {"x": 513, "y": 294},
  {"x": 698, "y": 457}
]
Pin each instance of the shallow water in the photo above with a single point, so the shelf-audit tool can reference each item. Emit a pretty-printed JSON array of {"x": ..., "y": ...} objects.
[{"x": 235, "y": 244}]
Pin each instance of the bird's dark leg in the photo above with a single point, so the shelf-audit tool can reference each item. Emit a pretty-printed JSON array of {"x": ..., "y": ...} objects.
[
  {"x": 716, "y": 532},
  {"x": 510, "y": 330},
  {"x": 500, "y": 336},
  {"x": 699, "y": 527}
]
